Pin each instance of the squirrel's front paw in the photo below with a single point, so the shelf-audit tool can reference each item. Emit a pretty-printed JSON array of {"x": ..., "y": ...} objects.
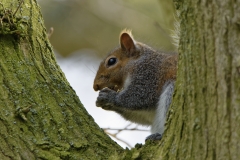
[{"x": 106, "y": 98}]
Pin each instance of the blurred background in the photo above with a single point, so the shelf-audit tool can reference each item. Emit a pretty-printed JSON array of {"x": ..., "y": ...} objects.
[{"x": 84, "y": 31}]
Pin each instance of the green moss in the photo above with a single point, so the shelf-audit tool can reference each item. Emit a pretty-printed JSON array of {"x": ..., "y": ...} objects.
[{"x": 11, "y": 25}]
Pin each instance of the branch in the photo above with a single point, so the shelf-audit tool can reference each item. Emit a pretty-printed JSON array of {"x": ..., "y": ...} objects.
[
  {"x": 115, "y": 136},
  {"x": 126, "y": 129},
  {"x": 120, "y": 130}
]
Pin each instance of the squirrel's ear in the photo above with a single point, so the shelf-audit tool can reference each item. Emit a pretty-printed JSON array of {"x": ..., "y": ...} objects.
[{"x": 127, "y": 42}]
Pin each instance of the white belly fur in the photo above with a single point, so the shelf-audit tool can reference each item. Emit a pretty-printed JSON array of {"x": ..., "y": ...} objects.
[
  {"x": 162, "y": 108},
  {"x": 143, "y": 117}
]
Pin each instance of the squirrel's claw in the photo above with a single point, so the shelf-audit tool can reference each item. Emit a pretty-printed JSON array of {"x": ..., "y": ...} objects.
[
  {"x": 154, "y": 137},
  {"x": 105, "y": 98}
]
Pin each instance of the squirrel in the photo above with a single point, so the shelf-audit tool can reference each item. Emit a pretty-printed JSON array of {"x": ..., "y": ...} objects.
[{"x": 137, "y": 82}]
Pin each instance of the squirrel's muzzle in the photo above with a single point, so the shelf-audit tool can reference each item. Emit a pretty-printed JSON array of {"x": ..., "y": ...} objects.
[{"x": 96, "y": 87}]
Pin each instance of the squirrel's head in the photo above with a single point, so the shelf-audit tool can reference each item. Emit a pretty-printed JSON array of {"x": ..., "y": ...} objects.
[{"x": 112, "y": 71}]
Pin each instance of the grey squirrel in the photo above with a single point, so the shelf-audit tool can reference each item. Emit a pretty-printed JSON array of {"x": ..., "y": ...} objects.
[{"x": 137, "y": 82}]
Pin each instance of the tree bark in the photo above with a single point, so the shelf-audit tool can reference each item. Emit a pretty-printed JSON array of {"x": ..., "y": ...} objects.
[
  {"x": 42, "y": 118},
  {"x": 203, "y": 121},
  {"x": 205, "y": 114}
]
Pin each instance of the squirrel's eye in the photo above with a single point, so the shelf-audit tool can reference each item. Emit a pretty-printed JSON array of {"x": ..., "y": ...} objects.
[{"x": 112, "y": 61}]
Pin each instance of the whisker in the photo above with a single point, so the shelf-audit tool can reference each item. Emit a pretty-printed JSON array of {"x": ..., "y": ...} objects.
[{"x": 90, "y": 69}]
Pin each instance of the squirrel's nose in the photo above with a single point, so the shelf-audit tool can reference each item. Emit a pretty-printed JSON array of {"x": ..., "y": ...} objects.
[{"x": 96, "y": 87}]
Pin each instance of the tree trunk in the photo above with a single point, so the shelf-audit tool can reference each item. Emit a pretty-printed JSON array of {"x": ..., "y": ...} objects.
[
  {"x": 42, "y": 118},
  {"x": 205, "y": 114},
  {"x": 203, "y": 121}
]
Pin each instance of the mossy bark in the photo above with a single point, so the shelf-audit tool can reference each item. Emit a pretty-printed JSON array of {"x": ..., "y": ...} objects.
[
  {"x": 40, "y": 117},
  {"x": 205, "y": 114},
  {"x": 203, "y": 121}
]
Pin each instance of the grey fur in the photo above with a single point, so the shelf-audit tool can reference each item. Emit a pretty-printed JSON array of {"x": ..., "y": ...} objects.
[
  {"x": 140, "y": 98},
  {"x": 163, "y": 105}
]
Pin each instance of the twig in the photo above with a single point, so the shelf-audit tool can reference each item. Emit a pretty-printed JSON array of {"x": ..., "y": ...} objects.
[
  {"x": 120, "y": 130},
  {"x": 126, "y": 129},
  {"x": 1, "y": 19},
  {"x": 18, "y": 8},
  {"x": 115, "y": 136},
  {"x": 50, "y": 32}
]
